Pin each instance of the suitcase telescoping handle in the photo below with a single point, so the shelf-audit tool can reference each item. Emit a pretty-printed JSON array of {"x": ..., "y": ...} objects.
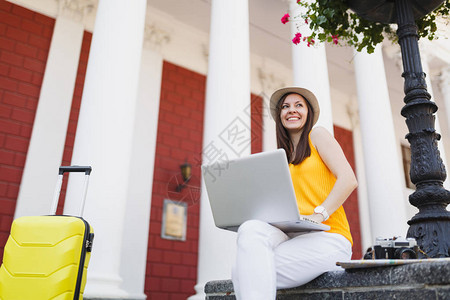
[{"x": 63, "y": 169}]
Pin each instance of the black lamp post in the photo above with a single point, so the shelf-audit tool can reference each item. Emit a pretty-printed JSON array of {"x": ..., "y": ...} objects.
[{"x": 431, "y": 225}]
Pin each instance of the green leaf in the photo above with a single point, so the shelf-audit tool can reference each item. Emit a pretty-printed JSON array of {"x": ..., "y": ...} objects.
[
  {"x": 329, "y": 13},
  {"x": 321, "y": 20},
  {"x": 433, "y": 27}
]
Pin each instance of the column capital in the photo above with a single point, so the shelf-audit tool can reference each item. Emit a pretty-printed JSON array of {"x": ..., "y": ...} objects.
[
  {"x": 393, "y": 52},
  {"x": 75, "y": 9},
  {"x": 352, "y": 109},
  {"x": 269, "y": 81},
  {"x": 155, "y": 37},
  {"x": 205, "y": 52},
  {"x": 444, "y": 77}
]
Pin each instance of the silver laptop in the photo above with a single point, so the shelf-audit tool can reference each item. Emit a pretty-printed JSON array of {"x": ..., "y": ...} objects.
[{"x": 259, "y": 187}]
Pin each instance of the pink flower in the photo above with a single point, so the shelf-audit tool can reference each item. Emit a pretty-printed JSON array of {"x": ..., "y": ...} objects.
[
  {"x": 298, "y": 2},
  {"x": 296, "y": 39},
  {"x": 335, "y": 39},
  {"x": 310, "y": 43},
  {"x": 306, "y": 21},
  {"x": 285, "y": 19}
]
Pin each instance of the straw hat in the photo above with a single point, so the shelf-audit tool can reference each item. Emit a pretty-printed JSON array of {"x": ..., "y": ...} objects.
[{"x": 307, "y": 94}]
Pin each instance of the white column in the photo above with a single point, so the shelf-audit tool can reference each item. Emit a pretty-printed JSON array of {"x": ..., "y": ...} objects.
[
  {"x": 105, "y": 139},
  {"x": 363, "y": 201},
  {"x": 310, "y": 68},
  {"x": 269, "y": 83},
  {"x": 445, "y": 88},
  {"x": 137, "y": 215},
  {"x": 52, "y": 115},
  {"x": 269, "y": 128},
  {"x": 437, "y": 124},
  {"x": 382, "y": 164},
  {"x": 227, "y": 98}
]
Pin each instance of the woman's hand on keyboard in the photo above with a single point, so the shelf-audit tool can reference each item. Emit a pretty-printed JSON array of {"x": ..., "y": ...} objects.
[{"x": 318, "y": 218}]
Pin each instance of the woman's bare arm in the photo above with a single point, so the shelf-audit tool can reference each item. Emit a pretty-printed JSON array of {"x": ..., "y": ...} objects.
[{"x": 332, "y": 155}]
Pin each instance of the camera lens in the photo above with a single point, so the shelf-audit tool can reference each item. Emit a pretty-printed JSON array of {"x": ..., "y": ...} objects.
[{"x": 405, "y": 253}]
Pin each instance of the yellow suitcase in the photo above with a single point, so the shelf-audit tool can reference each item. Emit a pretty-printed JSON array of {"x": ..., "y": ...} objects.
[{"x": 46, "y": 257}]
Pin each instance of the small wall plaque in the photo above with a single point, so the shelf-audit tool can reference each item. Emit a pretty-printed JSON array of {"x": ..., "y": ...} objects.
[{"x": 174, "y": 220}]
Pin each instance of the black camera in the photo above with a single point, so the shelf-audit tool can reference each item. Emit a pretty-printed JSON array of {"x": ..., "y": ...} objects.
[{"x": 393, "y": 248}]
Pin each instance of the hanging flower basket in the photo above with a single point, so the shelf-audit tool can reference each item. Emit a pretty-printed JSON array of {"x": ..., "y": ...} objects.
[{"x": 365, "y": 24}]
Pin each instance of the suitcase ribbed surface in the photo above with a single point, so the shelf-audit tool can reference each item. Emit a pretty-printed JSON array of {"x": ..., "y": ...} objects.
[{"x": 42, "y": 257}]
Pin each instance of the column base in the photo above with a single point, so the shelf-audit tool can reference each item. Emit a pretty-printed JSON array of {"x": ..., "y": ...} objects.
[
  {"x": 133, "y": 298},
  {"x": 200, "y": 289},
  {"x": 130, "y": 297},
  {"x": 104, "y": 287}
]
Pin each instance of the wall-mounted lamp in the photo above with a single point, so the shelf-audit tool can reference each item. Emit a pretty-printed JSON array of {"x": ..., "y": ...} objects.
[{"x": 186, "y": 169}]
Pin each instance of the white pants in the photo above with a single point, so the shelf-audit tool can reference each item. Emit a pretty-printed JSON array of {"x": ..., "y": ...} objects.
[{"x": 268, "y": 259}]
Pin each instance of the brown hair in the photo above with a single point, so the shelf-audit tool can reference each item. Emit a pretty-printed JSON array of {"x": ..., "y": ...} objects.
[{"x": 302, "y": 151}]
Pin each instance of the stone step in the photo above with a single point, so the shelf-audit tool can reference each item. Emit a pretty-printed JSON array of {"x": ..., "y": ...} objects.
[{"x": 424, "y": 281}]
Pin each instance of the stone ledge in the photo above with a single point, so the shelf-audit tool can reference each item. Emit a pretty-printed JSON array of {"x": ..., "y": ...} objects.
[{"x": 429, "y": 280}]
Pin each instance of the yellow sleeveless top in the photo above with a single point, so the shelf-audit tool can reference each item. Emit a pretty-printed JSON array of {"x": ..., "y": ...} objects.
[{"x": 313, "y": 181}]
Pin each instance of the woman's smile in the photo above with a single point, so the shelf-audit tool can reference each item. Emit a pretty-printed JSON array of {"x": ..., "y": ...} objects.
[
  {"x": 294, "y": 112},
  {"x": 293, "y": 118}
]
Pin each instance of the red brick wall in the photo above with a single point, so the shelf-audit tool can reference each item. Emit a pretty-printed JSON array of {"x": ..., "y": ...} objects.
[
  {"x": 256, "y": 123},
  {"x": 172, "y": 265},
  {"x": 74, "y": 112},
  {"x": 24, "y": 43},
  {"x": 345, "y": 139}
]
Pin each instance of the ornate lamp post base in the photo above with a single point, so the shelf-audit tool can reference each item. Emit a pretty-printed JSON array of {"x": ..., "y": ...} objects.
[
  {"x": 431, "y": 225},
  {"x": 431, "y": 231}
]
